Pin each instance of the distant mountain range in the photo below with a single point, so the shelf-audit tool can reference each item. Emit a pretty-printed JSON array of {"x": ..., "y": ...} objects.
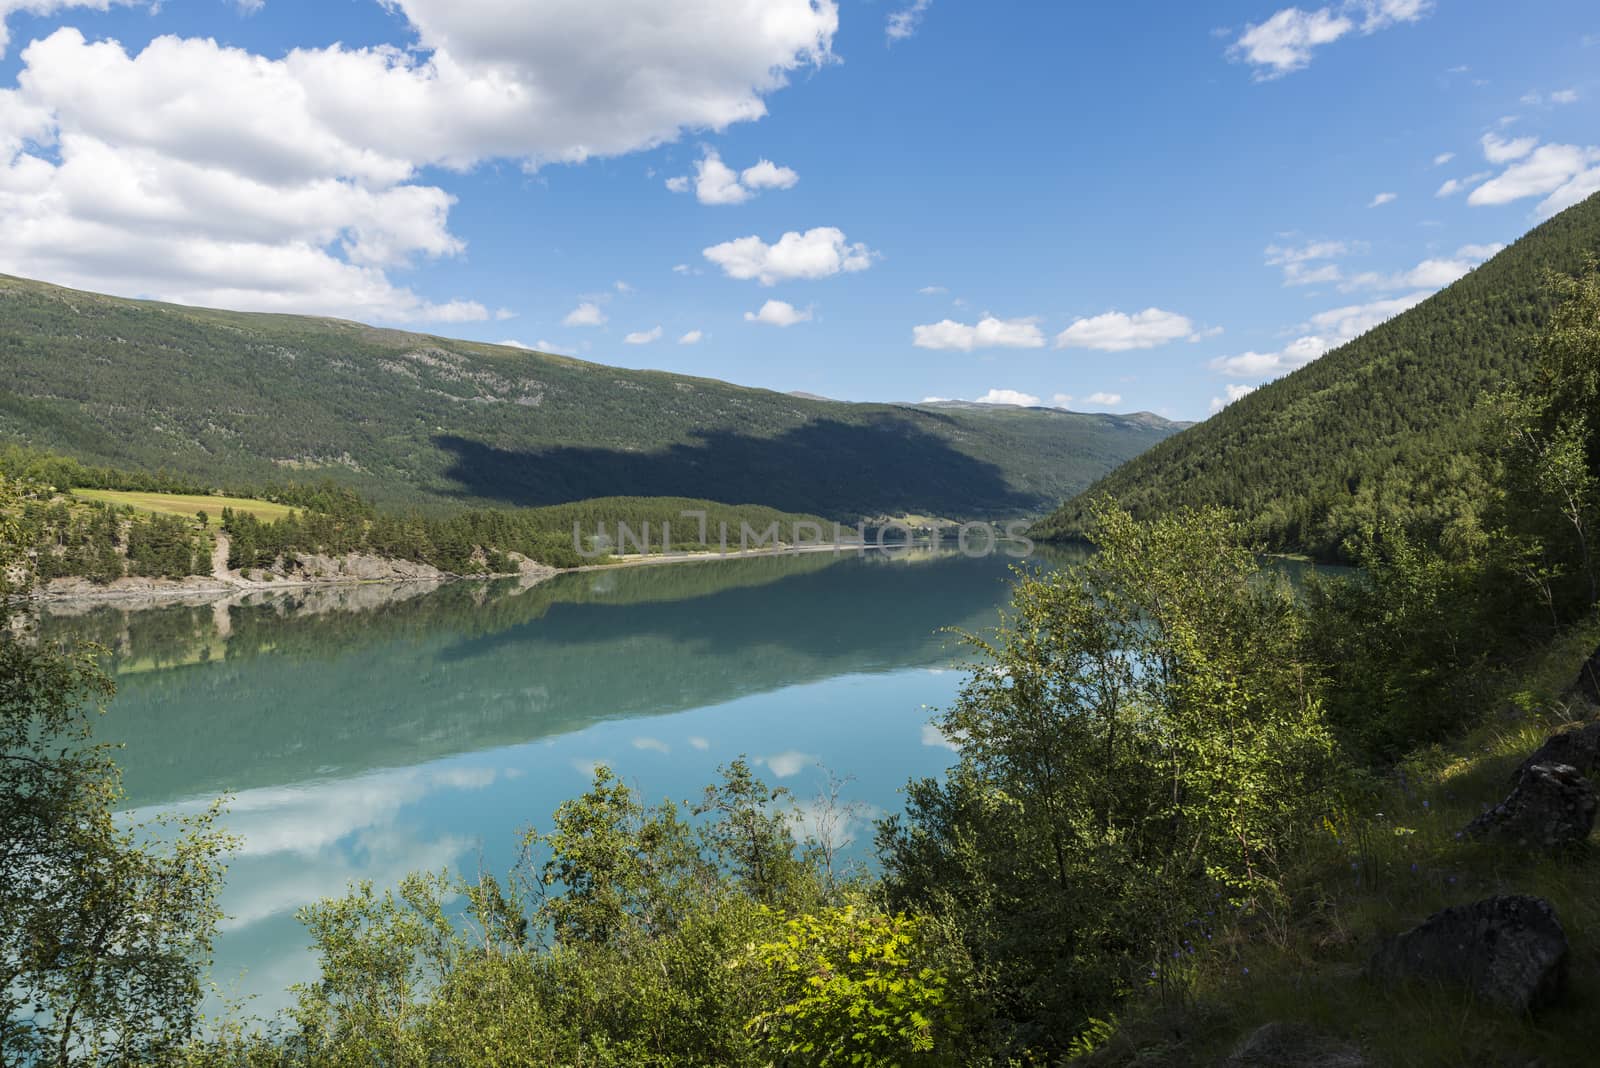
[
  {"x": 1376, "y": 428},
  {"x": 249, "y": 399}
]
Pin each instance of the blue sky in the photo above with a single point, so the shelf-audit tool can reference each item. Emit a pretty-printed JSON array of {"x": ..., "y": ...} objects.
[{"x": 1130, "y": 206}]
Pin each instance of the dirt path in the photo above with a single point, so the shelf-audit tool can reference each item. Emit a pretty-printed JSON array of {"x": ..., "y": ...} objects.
[{"x": 219, "y": 559}]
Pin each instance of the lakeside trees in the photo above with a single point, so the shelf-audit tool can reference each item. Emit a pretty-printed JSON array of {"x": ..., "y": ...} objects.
[{"x": 107, "y": 926}]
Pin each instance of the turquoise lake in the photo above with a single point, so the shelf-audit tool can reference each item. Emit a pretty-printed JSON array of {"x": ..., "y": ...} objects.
[{"x": 366, "y": 733}]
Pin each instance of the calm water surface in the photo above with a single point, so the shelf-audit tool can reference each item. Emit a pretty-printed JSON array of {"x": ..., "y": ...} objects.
[{"x": 364, "y": 734}]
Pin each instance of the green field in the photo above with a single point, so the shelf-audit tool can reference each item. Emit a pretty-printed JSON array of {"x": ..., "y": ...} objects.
[{"x": 187, "y": 504}]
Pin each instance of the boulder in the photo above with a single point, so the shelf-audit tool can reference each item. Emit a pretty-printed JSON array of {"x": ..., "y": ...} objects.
[
  {"x": 1278, "y": 1044},
  {"x": 1551, "y": 807},
  {"x": 1509, "y": 951},
  {"x": 1578, "y": 748}
]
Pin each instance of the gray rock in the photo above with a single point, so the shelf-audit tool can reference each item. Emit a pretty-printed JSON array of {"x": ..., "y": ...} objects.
[
  {"x": 1578, "y": 748},
  {"x": 1510, "y": 951},
  {"x": 1551, "y": 807},
  {"x": 1279, "y": 1044}
]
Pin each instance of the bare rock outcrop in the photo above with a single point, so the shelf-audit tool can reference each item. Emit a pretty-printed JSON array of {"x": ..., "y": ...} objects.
[
  {"x": 1578, "y": 748},
  {"x": 1509, "y": 951},
  {"x": 1551, "y": 807}
]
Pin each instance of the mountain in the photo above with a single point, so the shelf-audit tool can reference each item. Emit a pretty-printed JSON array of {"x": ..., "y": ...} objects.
[
  {"x": 1380, "y": 425},
  {"x": 249, "y": 399}
]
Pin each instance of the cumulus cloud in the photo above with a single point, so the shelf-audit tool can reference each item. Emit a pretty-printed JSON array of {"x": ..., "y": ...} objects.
[
  {"x": 817, "y": 253},
  {"x": 1497, "y": 149},
  {"x": 1009, "y": 396},
  {"x": 693, "y": 337},
  {"x": 586, "y": 314},
  {"x": 1285, "y": 42},
  {"x": 903, "y": 23},
  {"x": 717, "y": 183},
  {"x": 1434, "y": 273},
  {"x": 643, "y": 337},
  {"x": 1564, "y": 96},
  {"x": 1442, "y": 158},
  {"x": 1232, "y": 393},
  {"x": 988, "y": 333},
  {"x": 1562, "y": 174},
  {"x": 1383, "y": 198},
  {"x": 1103, "y": 400},
  {"x": 788, "y": 763},
  {"x": 201, "y": 173},
  {"x": 778, "y": 313},
  {"x": 933, "y": 291},
  {"x": 1117, "y": 331},
  {"x": 46, "y": 7},
  {"x": 1296, "y": 354},
  {"x": 1326, "y": 330}
]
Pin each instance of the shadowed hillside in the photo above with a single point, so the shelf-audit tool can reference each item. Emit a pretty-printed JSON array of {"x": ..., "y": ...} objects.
[{"x": 244, "y": 399}]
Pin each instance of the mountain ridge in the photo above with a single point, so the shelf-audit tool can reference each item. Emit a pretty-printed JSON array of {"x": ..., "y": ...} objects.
[
  {"x": 1378, "y": 429},
  {"x": 408, "y": 418}
]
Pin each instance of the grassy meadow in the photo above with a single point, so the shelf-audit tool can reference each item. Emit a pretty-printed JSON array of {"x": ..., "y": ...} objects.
[{"x": 187, "y": 505}]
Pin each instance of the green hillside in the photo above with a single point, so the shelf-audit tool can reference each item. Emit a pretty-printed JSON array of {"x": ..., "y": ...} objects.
[
  {"x": 1379, "y": 426},
  {"x": 242, "y": 399}
]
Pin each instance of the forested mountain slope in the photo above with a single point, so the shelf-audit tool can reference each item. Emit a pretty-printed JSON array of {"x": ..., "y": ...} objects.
[
  {"x": 246, "y": 399},
  {"x": 1376, "y": 427}
]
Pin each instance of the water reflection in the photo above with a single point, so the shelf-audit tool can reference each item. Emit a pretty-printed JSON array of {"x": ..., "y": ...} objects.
[{"x": 365, "y": 734}]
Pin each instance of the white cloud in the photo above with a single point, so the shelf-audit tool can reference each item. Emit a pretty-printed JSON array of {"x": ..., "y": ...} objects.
[
  {"x": 652, "y": 745},
  {"x": 1326, "y": 330},
  {"x": 1497, "y": 149},
  {"x": 699, "y": 743},
  {"x": 933, "y": 291},
  {"x": 989, "y": 333},
  {"x": 1563, "y": 174},
  {"x": 1118, "y": 332},
  {"x": 586, "y": 314},
  {"x": 1298, "y": 274},
  {"x": 717, "y": 183},
  {"x": 46, "y": 7},
  {"x": 903, "y": 23},
  {"x": 1297, "y": 261},
  {"x": 935, "y": 738},
  {"x": 1564, "y": 96},
  {"x": 1455, "y": 185},
  {"x": 1296, "y": 354},
  {"x": 788, "y": 763},
  {"x": 513, "y": 343},
  {"x": 1435, "y": 273},
  {"x": 1382, "y": 199},
  {"x": 200, "y": 173},
  {"x": 1061, "y": 400},
  {"x": 778, "y": 313},
  {"x": 765, "y": 174},
  {"x": 1009, "y": 396},
  {"x": 682, "y": 268},
  {"x": 1233, "y": 392},
  {"x": 1104, "y": 400},
  {"x": 1351, "y": 321},
  {"x": 1284, "y": 43},
  {"x": 817, "y": 253},
  {"x": 1442, "y": 158},
  {"x": 622, "y": 287},
  {"x": 693, "y": 337},
  {"x": 643, "y": 337}
]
